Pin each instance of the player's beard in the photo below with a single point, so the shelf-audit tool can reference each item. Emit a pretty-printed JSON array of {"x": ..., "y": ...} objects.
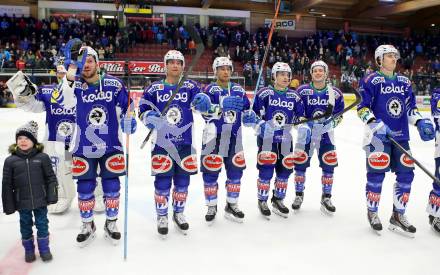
[{"x": 87, "y": 75}]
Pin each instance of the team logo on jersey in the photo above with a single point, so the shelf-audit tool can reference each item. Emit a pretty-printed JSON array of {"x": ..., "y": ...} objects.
[
  {"x": 97, "y": 116},
  {"x": 394, "y": 107},
  {"x": 393, "y": 89},
  {"x": 115, "y": 163},
  {"x": 316, "y": 101},
  {"x": 189, "y": 164},
  {"x": 330, "y": 158},
  {"x": 267, "y": 158},
  {"x": 161, "y": 163},
  {"x": 289, "y": 161},
  {"x": 230, "y": 117},
  {"x": 238, "y": 160},
  {"x": 174, "y": 115},
  {"x": 212, "y": 162},
  {"x": 279, "y": 119},
  {"x": 180, "y": 96},
  {"x": 277, "y": 102},
  {"x": 300, "y": 156},
  {"x": 64, "y": 128},
  {"x": 406, "y": 161},
  {"x": 80, "y": 166},
  {"x": 379, "y": 160}
]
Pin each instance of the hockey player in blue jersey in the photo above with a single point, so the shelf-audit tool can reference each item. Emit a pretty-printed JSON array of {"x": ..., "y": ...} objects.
[
  {"x": 222, "y": 141},
  {"x": 173, "y": 159},
  {"x": 433, "y": 207},
  {"x": 274, "y": 108},
  {"x": 101, "y": 103},
  {"x": 388, "y": 105},
  {"x": 315, "y": 97}
]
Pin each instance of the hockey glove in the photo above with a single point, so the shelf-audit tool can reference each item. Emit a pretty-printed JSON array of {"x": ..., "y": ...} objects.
[
  {"x": 304, "y": 134},
  {"x": 128, "y": 124},
  {"x": 201, "y": 103},
  {"x": 379, "y": 130},
  {"x": 426, "y": 129},
  {"x": 73, "y": 55},
  {"x": 21, "y": 85},
  {"x": 249, "y": 118},
  {"x": 232, "y": 103},
  {"x": 152, "y": 120}
]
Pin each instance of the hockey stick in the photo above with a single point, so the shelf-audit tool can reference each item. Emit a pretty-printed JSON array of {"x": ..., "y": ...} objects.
[
  {"x": 266, "y": 51},
  {"x": 127, "y": 150},
  {"x": 403, "y": 150},
  {"x": 200, "y": 48}
]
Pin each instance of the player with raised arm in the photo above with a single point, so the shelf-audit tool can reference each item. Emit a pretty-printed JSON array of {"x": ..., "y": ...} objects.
[{"x": 101, "y": 103}]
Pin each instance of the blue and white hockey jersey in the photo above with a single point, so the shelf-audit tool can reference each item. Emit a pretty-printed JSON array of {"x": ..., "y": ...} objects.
[
  {"x": 282, "y": 107},
  {"x": 390, "y": 99},
  {"x": 316, "y": 101},
  {"x": 179, "y": 115},
  {"x": 231, "y": 120}
]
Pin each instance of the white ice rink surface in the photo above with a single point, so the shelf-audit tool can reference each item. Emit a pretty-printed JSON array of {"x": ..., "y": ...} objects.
[{"x": 306, "y": 243}]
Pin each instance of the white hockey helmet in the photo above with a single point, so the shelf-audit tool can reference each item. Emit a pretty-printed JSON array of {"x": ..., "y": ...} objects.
[
  {"x": 319, "y": 63},
  {"x": 174, "y": 55},
  {"x": 384, "y": 49},
  {"x": 90, "y": 51},
  {"x": 281, "y": 67},
  {"x": 221, "y": 61}
]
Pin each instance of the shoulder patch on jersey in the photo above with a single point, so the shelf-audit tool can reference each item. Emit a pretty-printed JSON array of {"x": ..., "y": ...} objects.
[
  {"x": 306, "y": 91},
  {"x": 378, "y": 79},
  {"x": 112, "y": 82},
  {"x": 404, "y": 79},
  {"x": 155, "y": 87},
  {"x": 189, "y": 84},
  {"x": 213, "y": 88},
  {"x": 79, "y": 85},
  {"x": 46, "y": 90},
  {"x": 264, "y": 92}
]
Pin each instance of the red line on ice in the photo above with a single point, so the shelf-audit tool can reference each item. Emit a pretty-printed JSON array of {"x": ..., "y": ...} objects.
[{"x": 13, "y": 263}]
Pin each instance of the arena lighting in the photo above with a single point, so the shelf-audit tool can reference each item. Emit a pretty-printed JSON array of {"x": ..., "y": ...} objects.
[
  {"x": 432, "y": 25},
  {"x": 388, "y": 1},
  {"x": 108, "y": 17},
  {"x": 323, "y": 15}
]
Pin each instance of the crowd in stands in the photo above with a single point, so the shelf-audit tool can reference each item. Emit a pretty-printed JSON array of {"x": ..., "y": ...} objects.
[{"x": 28, "y": 43}]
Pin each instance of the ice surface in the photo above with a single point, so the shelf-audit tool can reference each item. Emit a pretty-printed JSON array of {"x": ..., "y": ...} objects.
[{"x": 306, "y": 243}]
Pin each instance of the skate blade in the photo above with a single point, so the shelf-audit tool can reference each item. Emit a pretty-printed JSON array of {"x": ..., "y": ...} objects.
[
  {"x": 231, "y": 217},
  {"x": 162, "y": 236},
  {"x": 435, "y": 231},
  {"x": 114, "y": 242},
  {"x": 267, "y": 218},
  {"x": 279, "y": 213},
  {"x": 326, "y": 212},
  {"x": 398, "y": 230},
  {"x": 88, "y": 241},
  {"x": 184, "y": 232},
  {"x": 210, "y": 223}
]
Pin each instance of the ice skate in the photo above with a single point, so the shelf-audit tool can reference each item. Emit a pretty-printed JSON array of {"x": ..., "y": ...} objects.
[
  {"x": 373, "y": 219},
  {"x": 264, "y": 209},
  {"x": 87, "y": 234},
  {"x": 210, "y": 215},
  {"x": 111, "y": 232},
  {"x": 162, "y": 226},
  {"x": 399, "y": 223},
  {"x": 279, "y": 208},
  {"x": 327, "y": 206},
  {"x": 435, "y": 223},
  {"x": 233, "y": 213},
  {"x": 297, "y": 202},
  {"x": 180, "y": 222}
]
